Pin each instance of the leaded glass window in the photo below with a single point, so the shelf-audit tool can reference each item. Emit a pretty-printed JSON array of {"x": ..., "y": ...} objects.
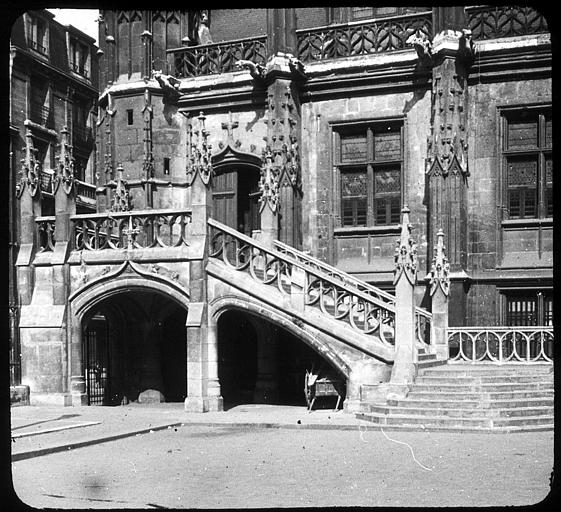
[
  {"x": 529, "y": 164},
  {"x": 369, "y": 160}
]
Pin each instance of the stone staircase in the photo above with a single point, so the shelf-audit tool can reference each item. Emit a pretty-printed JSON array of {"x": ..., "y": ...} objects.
[{"x": 464, "y": 397}]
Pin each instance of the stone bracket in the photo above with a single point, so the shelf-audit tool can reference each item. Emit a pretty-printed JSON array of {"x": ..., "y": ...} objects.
[{"x": 195, "y": 314}]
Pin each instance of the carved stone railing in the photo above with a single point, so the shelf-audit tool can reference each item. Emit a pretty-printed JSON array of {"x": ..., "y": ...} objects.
[
  {"x": 422, "y": 316},
  {"x": 364, "y": 313},
  {"x": 361, "y": 38},
  {"x": 217, "y": 58},
  {"x": 501, "y": 344},
  {"x": 45, "y": 233},
  {"x": 84, "y": 189},
  {"x": 490, "y": 22},
  {"x": 130, "y": 230}
]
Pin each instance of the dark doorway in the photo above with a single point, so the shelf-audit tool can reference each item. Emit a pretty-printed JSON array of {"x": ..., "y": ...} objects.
[
  {"x": 135, "y": 349},
  {"x": 236, "y": 198},
  {"x": 259, "y": 362}
]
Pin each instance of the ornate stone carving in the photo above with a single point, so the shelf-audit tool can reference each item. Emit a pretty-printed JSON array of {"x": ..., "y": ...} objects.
[
  {"x": 257, "y": 71},
  {"x": 131, "y": 232},
  {"x": 65, "y": 171},
  {"x": 440, "y": 268},
  {"x": 169, "y": 85},
  {"x": 148, "y": 163},
  {"x": 31, "y": 170},
  {"x": 406, "y": 252},
  {"x": 199, "y": 152},
  {"x": 422, "y": 44},
  {"x": 83, "y": 271},
  {"x": 203, "y": 27},
  {"x": 269, "y": 182},
  {"x": 122, "y": 201}
]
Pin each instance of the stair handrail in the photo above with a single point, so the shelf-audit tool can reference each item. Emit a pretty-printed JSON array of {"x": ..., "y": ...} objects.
[
  {"x": 363, "y": 286},
  {"x": 291, "y": 261}
]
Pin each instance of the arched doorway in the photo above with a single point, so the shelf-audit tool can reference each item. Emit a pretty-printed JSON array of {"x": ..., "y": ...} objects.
[
  {"x": 260, "y": 362},
  {"x": 236, "y": 197},
  {"x": 134, "y": 349}
]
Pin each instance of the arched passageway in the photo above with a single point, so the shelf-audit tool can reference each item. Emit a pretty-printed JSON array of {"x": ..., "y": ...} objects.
[
  {"x": 260, "y": 362},
  {"x": 134, "y": 349}
]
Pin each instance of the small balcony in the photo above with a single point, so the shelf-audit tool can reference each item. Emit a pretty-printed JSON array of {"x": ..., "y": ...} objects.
[
  {"x": 80, "y": 69},
  {"x": 42, "y": 115},
  {"x": 216, "y": 58},
  {"x": 37, "y": 46}
]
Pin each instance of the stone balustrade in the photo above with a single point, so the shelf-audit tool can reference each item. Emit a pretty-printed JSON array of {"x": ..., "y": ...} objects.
[
  {"x": 501, "y": 344},
  {"x": 361, "y": 38},
  {"x": 130, "y": 230},
  {"x": 216, "y": 58}
]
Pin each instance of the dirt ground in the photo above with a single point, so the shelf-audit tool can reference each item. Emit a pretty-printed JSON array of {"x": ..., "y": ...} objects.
[{"x": 232, "y": 467}]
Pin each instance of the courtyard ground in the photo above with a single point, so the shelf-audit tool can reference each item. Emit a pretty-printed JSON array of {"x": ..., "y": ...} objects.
[{"x": 237, "y": 465}]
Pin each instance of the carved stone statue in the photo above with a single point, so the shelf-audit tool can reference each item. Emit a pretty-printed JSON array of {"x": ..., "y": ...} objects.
[
  {"x": 257, "y": 71},
  {"x": 203, "y": 30}
]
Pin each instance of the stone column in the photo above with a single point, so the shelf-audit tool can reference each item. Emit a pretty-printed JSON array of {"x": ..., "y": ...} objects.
[
  {"x": 77, "y": 378},
  {"x": 447, "y": 162},
  {"x": 203, "y": 389},
  {"x": 404, "y": 366},
  {"x": 439, "y": 290}
]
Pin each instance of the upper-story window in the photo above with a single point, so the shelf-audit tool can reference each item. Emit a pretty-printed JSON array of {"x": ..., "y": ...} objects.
[
  {"x": 79, "y": 57},
  {"x": 369, "y": 163},
  {"x": 527, "y": 153},
  {"x": 37, "y": 34}
]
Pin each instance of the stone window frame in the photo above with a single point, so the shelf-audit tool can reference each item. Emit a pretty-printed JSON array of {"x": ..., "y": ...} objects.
[
  {"x": 370, "y": 127},
  {"x": 540, "y": 295},
  {"x": 34, "y": 21},
  {"x": 540, "y": 152}
]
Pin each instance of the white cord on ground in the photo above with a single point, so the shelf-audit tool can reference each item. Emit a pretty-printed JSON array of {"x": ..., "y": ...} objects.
[{"x": 395, "y": 441}]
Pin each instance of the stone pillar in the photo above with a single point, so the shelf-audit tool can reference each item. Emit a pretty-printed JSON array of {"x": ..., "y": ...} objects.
[
  {"x": 77, "y": 378},
  {"x": 447, "y": 162},
  {"x": 404, "y": 366},
  {"x": 28, "y": 191},
  {"x": 280, "y": 175},
  {"x": 439, "y": 291},
  {"x": 148, "y": 164},
  {"x": 203, "y": 388}
]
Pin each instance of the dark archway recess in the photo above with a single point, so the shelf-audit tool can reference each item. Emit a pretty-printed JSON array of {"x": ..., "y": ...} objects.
[
  {"x": 135, "y": 346},
  {"x": 260, "y": 362}
]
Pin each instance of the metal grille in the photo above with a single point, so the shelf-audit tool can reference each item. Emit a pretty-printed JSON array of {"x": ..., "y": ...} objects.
[
  {"x": 96, "y": 358},
  {"x": 521, "y": 310}
]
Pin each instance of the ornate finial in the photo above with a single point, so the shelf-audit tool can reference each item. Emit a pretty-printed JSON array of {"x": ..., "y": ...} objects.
[
  {"x": 406, "y": 251},
  {"x": 31, "y": 170},
  {"x": 440, "y": 268},
  {"x": 121, "y": 199},
  {"x": 65, "y": 174},
  {"x": 199, "y": 158},
  {"x": 130, "y": 232}
]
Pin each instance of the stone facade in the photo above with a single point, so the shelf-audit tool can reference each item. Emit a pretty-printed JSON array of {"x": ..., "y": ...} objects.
[{"x": 314, "y": 127}]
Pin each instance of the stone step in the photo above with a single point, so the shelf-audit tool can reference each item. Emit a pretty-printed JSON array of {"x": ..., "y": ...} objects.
[
  {"x": 423, "y": 356},
  {"x": 457, "y": 429},
  {"x": 429, "y": 422},
  {"x": 431, "y": 363},
  {"x": 451, "y": 412},
  {"x": 508, "y": 395},
  {"x": 471, "y": 404},
  {"x": 449, "y": 370},
  {"x": 484, "y": 388},
  {"x": 486, "y": 379}
]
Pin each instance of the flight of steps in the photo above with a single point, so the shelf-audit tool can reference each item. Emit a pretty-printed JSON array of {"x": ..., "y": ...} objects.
[{"x": 462, "y": 397}]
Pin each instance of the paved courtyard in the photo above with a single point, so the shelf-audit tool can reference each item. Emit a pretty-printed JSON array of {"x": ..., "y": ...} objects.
[{"x": 234, "y": 467}]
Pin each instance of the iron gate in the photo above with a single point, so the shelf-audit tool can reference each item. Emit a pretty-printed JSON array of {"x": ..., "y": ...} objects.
[{"x": 96, "y": 361}]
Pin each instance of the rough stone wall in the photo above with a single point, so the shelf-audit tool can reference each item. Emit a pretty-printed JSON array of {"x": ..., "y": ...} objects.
[
  {"x": 309, "y": 17},
  {"x": 229, "y": 24}
]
